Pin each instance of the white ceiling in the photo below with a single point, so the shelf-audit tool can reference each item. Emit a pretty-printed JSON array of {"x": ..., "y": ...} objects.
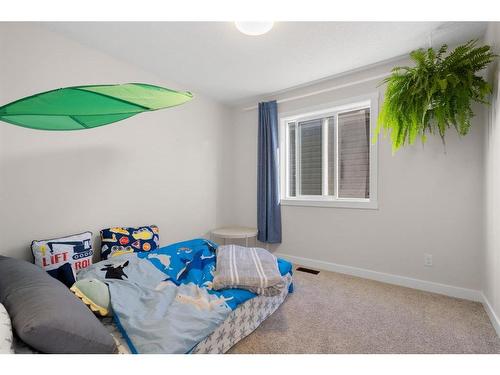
[{"x": 215, "y": 59}]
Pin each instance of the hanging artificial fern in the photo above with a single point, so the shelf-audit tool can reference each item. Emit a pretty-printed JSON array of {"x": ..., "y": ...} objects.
[{"x": 435, "y": 94}]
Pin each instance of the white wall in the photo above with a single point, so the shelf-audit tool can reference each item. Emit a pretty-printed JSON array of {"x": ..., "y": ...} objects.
[
  {"x": 491, "y": 272},
  {"x": 429, "y": 201},
  {"x": 160, "y": 167}
]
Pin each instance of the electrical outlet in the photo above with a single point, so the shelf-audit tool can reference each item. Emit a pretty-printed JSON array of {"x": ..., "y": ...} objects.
[{"x": 428, "y": 260}]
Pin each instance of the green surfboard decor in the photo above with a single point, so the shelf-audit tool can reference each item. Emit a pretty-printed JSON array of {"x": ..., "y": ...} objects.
[{"x": 87, "y": 107}]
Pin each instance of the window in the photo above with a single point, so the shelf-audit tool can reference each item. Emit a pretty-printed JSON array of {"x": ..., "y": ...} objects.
[{"x": 328, "y": 158}]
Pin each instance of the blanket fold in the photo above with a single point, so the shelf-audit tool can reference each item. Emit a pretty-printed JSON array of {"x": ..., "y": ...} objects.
[{"x": 249, "y": 268}]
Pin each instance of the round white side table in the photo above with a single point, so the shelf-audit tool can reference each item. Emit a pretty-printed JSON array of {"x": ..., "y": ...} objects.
[{"x": 235, "y": 233}]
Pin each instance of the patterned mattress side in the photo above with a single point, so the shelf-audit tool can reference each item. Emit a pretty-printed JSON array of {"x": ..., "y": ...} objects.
[{"x": 241, "y": 322}]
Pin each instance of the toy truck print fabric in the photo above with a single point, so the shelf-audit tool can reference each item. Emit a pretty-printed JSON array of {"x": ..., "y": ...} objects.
[
  {"x": 123, "y": 240},
  {"x": 63, "y": 257}
]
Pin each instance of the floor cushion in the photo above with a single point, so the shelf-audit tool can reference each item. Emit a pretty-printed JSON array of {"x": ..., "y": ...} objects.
[{"x": 46, "y": 315}]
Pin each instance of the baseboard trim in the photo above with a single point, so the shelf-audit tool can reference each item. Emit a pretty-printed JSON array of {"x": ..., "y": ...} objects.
[
  {"x": 495, "y": 321},
  {"x": 428, "y": 286}
]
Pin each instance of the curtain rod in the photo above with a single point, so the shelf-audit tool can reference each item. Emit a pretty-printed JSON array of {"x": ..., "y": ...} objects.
[{"x": 328, "y": 89}]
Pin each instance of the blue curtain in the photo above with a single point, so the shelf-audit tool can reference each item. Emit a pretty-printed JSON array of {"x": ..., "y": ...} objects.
[{"x": 268, "y": 191}]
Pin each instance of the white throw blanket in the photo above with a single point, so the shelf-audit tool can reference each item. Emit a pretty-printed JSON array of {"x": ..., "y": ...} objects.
[{"x": 250, "y": 268}]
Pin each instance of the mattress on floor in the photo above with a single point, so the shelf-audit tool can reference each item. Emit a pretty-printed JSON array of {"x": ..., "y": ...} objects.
[{"x": 240, "y": 323}]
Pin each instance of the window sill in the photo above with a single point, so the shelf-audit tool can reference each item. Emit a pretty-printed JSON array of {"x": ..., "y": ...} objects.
[{"x": 365, "y": 204}]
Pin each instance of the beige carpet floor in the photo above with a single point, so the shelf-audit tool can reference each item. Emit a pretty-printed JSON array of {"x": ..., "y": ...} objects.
[{"x": 335, "y": 313}]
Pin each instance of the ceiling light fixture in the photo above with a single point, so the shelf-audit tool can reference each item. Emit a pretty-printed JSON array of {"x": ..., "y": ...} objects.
[{"x": 254, "y": 28}]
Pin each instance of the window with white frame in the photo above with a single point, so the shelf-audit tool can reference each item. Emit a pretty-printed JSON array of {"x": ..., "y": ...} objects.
[{"x": 328, "y": 158}]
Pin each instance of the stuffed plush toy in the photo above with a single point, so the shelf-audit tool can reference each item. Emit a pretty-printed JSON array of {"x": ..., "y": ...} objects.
[{"x": 95, "y": 294}]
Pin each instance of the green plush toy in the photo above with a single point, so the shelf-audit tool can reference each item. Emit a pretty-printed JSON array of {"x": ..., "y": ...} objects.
[{"x": 95, "y": 294}]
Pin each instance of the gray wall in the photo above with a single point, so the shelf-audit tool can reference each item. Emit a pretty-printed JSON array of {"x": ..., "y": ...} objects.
[
  {"x": 429, "y": 201},
  {"x": 492, "y": 184},
  {"x": 160, "y": 167}
]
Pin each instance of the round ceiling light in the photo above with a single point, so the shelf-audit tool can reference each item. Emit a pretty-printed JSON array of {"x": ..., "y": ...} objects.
[{"x": 254, "y": 28}]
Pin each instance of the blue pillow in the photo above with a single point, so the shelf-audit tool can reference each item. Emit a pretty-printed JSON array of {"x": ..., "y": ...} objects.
[
  {"x": 64, "y": 274},
  {"x": 122, "y": 240}
]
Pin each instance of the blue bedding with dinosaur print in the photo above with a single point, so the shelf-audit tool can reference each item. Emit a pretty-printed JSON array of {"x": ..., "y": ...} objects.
[{"x": 162, "y": 299}]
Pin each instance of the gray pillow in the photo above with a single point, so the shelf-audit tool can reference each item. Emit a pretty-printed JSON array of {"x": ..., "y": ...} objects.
[{"x": 46, "y": 315}]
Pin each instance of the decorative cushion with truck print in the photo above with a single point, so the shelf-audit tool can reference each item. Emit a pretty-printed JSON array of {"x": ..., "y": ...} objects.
[
  {"x": 63, "y": 257},
  {"x": 123, "y": 240}
]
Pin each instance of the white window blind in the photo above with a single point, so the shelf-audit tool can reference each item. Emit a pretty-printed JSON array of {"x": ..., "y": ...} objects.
[
  {"x": 311, "y": 162},
  {"x": 354, "y": 154}
]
